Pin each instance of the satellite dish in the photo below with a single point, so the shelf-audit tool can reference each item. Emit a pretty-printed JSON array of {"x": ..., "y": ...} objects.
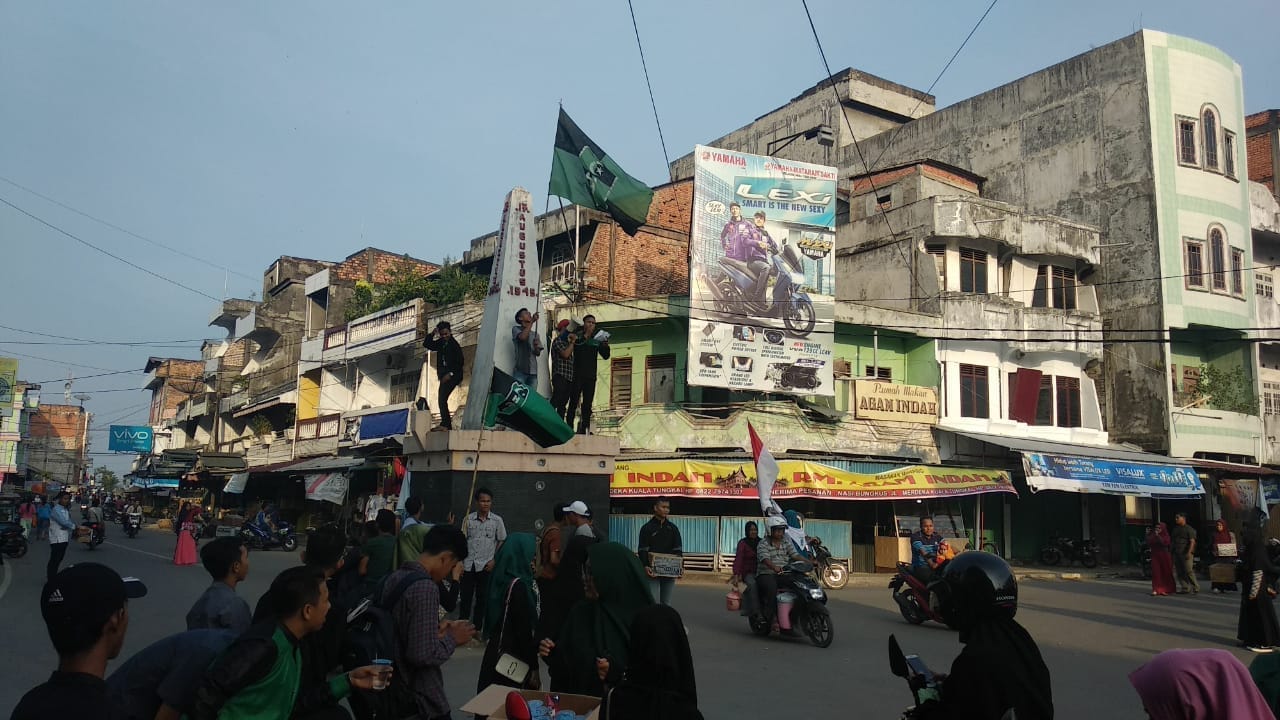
[{"x": 81, "y": 397}]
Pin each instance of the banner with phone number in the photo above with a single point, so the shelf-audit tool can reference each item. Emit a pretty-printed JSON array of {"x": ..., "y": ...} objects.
[{"x": 799, "y": 478}]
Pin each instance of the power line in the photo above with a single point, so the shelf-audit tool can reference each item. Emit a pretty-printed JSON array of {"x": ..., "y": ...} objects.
[
  {"x": 111, "y": 255},
  {"x": 126, "y": 231},
  {"x": 59, "y": 362},
  {"x": 643, "y": 65}
]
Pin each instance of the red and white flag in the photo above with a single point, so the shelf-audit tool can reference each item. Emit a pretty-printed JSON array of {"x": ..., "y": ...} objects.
[{"x": 766, "y": 473}]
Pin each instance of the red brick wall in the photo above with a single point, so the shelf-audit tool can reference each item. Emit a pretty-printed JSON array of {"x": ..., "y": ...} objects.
[
  {"x": 374, "y": 265},
  {"x": 64, "y": 422},
  {"x": 1261, "y": 129},
  {"x": 655, "y": 261}
]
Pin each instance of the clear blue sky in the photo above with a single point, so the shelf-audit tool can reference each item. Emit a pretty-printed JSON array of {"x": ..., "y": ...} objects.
[{"x": 240, "y": 131}]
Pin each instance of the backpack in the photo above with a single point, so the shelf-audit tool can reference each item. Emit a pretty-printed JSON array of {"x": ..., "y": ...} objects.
[{"x": 371, "y": 633}]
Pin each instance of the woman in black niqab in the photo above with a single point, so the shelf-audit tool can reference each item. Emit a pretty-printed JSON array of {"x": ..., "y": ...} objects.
[{"x": 659, "y": 680}]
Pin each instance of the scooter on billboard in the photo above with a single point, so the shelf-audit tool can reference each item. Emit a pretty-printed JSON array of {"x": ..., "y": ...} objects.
[{"x": 740, "y": 290}]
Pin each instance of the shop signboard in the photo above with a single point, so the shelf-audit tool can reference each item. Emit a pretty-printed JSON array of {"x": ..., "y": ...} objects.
[
  {"x": 762, "y": 274},
  {"x": 130, "y": 438},
  {"x": 797, "y": 479},
  {"x": 1083, "y": 474},
  {"x": 879, "y": 400}
]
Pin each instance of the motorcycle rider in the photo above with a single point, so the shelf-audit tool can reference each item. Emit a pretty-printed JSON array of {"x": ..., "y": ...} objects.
[
  {"x": 926, "y": 551},
  {"x": 774, "y": 552},
  {"x": 1000, "y": 666},
  {"x": 93, "y": 516},
  {"x": 757, "y": 253},
  {"x": 737, "y": 235}
]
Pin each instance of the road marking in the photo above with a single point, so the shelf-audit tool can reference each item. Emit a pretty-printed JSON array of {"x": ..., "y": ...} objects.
[
  {"x": 8, "y": 578},
  {"x": 144, "y": 552}
]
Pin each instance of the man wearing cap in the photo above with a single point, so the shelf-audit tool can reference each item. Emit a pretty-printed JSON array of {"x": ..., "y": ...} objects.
[
  {"x": 528, "y": 347},
  {"x": 562, "y": 367},
  {"x": 61, "y": 530},
  {"x": 86, "y": 611},
  {"x": 578, "y": 515}
]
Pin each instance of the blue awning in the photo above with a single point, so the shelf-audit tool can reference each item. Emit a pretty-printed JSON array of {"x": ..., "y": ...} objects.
[{"x": 380, "y": 425}]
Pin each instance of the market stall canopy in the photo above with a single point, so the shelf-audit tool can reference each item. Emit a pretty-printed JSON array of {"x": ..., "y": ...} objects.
[
  {"x": 221, "y": 463},
  {"x": 693, "y": 477},
  {"x": 320, "y": 464},
  {"x": 1111, "y": 469}
]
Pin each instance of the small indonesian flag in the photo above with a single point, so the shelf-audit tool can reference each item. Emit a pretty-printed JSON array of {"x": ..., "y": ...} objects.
[{"x": 766, "y": 473}]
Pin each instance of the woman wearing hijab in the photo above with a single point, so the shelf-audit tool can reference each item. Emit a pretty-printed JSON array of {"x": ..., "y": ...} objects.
[
  {"x": 1223, "y": 537},
  {"x": 184, "y": 553},
  {"x": 513, "y": 610},
  {"x": 1158, "y": 540},
  {"x": 744, "y": 568},
  {"x": 593, "y": 646},
  {"x": 1257, "y": 630},
  {"x": 659, "y": 681},
  {"x": 1197, "y": 685}
]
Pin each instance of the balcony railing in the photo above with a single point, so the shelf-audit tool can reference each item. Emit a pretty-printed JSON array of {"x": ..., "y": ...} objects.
[
  {"x": 319, "y": 427},
  {"x": 335, "y": 338}
]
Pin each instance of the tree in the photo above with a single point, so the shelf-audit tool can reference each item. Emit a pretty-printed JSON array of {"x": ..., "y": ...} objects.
[
  {"x": 448, "y": 285},
  {"x": 1228, "y": 390},
  {"x": 107, "y": 479}
]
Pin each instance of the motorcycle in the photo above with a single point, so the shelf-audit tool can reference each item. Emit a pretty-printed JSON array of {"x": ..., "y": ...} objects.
[
  {"x": 832, "y": 573},
  {"x": 1060, "y": 548},
  {"x": 97, "y": 534},
  {"x": 803, "y": 373},
  {"x": 132, "y": 524},
  {"x": 733, "y": 284},
  {"x": 924, "y": 684},
  {"x": 912, "y": 595},
  {"x": 13, "y": 540},
  {"x": 257, "y": 538},
  {"x": 808, "y": 611}
]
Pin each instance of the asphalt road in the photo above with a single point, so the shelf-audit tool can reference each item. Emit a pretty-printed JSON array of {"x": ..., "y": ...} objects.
[{"x": 1092, "y": 635}]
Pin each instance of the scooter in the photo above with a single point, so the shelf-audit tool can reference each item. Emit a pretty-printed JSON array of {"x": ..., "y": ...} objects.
[
  {"x": 97, "y": 534},
  {"x": 257, "y": 538},
  {"x": 803, "y": 374},
  {"x": 13, "y": 540},
  {"x": 832, "y": 573},
  {"x": 132, "y": 524},
  {"x": 807, "y": 609},
  {"x": 912, "y": 596},
  {"x": 1060, "y": 548},
  {"x": 924, "y": 684},
  {"x": 733, "y": 284}
]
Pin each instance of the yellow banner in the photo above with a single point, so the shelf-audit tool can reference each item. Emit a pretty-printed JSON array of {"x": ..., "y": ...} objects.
[{"x": 798, "y": 478}]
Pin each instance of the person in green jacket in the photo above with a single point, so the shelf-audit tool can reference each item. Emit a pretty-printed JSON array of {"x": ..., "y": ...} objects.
[{"x": 258, "y": 676}]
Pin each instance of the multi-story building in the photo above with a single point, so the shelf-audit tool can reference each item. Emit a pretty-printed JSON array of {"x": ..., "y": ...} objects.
[
  {"x": 58, "y": 444},
  {"x": 1266, "y": 261},
  {"x": 15, "y": 428},
  {"x": 1262, "y": 148}
]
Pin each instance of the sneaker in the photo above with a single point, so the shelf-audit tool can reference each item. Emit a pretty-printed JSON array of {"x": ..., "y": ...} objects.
[{"x": 1259, "y": 649}]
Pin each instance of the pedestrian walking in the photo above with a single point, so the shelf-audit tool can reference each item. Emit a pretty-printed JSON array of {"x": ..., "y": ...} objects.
[
  {"x": 1223, "y": 550},
  {"x": 583, "y": 389},
  {"x": 1257, "y": 628},
  {"x": 485, "y": 534},
  {"x": 160, "y": 680},
  {"x": 1178, "y": 684},
  {"x": 659, "y": 682},
  {"x": 512, "y": 616},
  {"x": 42, "y": 518},
  {"x": 86, "y": 613},
  {"x": 592, "y": 648},
  {"x": 219, "y": 607},
  {"x": 528, "y": 347},
  {"x": 660, "y": 536},
  {"x": 1159, "y": 542},
  {"x": 27, "y": 516},
  {"x": 562, "y": 368},
  {"x": 1184, "y": 548},
  {"x": 448, "y": 368},
  {"x": 61, "y": 530}
]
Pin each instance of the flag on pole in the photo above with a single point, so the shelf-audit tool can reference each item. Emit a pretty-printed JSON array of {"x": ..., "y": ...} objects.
[
  {"x": 766, "y": 473},
  {"x": 519, "y": 407},
  {"x": 582, "y": 173}
]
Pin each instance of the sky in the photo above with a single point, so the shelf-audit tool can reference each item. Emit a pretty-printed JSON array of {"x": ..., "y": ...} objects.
[{"x": 238, "y": 131}]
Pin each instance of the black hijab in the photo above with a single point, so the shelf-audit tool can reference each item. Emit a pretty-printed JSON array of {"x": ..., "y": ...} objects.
[
  {"x": 752, "y": 542},
  {"x": 659, "y": 680},
  {"x": 999, "y": 668}
]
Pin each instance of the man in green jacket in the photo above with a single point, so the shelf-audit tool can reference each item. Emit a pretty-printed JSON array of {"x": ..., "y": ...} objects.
[{"x": 258, "y": 676}]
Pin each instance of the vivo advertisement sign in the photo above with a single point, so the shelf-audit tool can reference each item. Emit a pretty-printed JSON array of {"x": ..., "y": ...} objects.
[{"x": 130, "y": 438}]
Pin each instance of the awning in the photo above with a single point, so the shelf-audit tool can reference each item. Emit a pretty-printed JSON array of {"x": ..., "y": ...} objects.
[
  {"x": 221, "y": 463},
  {"x": 331, "y": 487},
  {"x": 151, "y": 483},
  {"x": 285, "y": 398},
  {"x": 328, "y": 463},
  {"x": 380, "y": 425},
  {"x": 1233, "y": 468},
  {"x": 1111, "y": 469},
  {"x": 736, "y": 479}
]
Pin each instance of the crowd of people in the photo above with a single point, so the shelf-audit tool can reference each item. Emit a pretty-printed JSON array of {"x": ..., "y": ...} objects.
[{"x": 567, "y": 606}]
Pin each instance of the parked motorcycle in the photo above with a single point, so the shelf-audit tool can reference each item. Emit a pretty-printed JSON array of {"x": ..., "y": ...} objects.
[
  {"x": 924, "y": 684},
  {"x": 733, "y": 284},
  {"x": 132, "y": 524},
  {"x": 257, "y": 538},
  {"x": 13, "y": 540},
  {"x": 97, "y": 534},
  {"x": 808, "y": 606},
  {"x": 1060, "y": 548},
  {"x": 912, "y": 596},
  {"x": 832, "y": 572}
]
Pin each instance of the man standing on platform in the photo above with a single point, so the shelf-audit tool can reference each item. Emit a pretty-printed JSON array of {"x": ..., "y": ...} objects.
[
  {"x": 562, "y": 362},
  {"x": 528, "y": 347},
  {"x": 584, "y": 373},
  {"x": 448, "y": 368}
]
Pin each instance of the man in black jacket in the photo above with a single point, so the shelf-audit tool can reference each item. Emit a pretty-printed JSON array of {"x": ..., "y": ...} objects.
[
  {"x": 584, "y": 373},
  {"x": 448, "y": 368},
  {"x": 661, "y": 536}
]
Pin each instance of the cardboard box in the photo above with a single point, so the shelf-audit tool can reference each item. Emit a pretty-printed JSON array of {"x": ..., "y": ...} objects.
[
  {"x": 666, "y": 566},
  {"x": 492, "y": 701},
  {"x": 1222, "y": 572}
]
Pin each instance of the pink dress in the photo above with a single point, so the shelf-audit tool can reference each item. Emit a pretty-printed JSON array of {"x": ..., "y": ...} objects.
[
  {"x": 185, "y": 552},
  {"x": 1162, "y": 582}
]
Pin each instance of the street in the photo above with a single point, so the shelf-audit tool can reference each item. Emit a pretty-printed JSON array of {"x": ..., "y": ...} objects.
[{"x": 1092, "y": 635}]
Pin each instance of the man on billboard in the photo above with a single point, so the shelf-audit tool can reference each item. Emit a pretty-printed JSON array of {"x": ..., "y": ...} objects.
[
  {"x": 757, "y": 254},
  {"x": 738, "y": 235}
]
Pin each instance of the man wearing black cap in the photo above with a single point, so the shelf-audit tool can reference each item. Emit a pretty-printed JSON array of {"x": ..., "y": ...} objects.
[{"x": 86, "y": 610}]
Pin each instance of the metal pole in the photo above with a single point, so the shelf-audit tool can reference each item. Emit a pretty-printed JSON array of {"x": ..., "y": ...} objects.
[
  {"x": 577, "y": 275},
  {"x": 475, "y": 472}
]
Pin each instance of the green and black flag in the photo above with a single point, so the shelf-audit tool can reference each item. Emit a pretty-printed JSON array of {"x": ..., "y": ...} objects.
[
  {"x": 520, "y": 407},
  {"x": 582, "y": 173}
]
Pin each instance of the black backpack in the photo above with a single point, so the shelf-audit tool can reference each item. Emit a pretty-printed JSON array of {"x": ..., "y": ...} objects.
[{"x": 371, "y": 633}]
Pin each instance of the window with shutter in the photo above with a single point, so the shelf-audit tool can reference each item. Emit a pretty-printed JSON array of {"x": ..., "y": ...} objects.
[
  {"x": 660, "y": 379},
  {"x": 620, "y": 383},
  {"x": 973, "y": 271},
  {"x": 974, "y": 395}
]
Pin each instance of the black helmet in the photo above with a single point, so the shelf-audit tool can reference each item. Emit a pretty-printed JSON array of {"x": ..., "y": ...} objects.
[{"x": 974, "y": 586}]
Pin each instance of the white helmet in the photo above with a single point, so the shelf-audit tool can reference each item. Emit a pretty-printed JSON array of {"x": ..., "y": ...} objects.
[{"x": 774, "y": 521}]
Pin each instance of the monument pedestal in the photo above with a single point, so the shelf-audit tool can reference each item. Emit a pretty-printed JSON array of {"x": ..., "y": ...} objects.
[{"x": 526, "y": 480}]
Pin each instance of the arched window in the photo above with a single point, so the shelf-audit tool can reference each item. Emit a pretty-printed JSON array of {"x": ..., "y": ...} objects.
[
  {"x": 1218, "y": 258},
  {"x": 1209, "y": 125}
]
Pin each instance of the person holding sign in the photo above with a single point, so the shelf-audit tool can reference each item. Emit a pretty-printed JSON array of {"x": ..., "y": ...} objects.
[{"x": 660, "y": 551}]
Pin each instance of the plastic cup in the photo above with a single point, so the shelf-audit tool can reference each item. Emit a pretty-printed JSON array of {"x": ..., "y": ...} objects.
[{"x": 384, "y": 673}]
